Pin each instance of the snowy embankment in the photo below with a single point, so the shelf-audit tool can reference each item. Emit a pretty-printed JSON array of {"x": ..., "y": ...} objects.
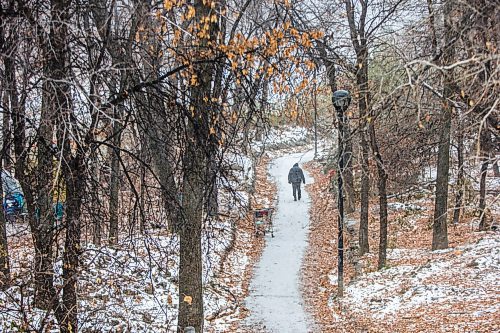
[
  {"x": 461, "y": 281},
  {"x": 130, "y": 287},
  {"x": 452, "y": 290}
]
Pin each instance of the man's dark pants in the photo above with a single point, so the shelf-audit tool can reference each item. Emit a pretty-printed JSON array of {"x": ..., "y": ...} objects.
[{"x": 296, "y": 190}]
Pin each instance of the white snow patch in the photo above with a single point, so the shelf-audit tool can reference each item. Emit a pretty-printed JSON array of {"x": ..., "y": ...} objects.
[
  {"x": 400, "y": 289},
  {"x": 404, "y": 206}
]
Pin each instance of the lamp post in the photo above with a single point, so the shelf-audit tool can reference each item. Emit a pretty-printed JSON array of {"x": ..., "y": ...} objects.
[{"x": 341, "y": 100}]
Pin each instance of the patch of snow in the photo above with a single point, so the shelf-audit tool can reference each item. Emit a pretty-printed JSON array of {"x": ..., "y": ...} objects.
[
  {"x": 404, "y": 206},
  {"x": 402, "y": 288},
  {"x": 282, "y": 137},
  {"x": 130, "y": 287}
]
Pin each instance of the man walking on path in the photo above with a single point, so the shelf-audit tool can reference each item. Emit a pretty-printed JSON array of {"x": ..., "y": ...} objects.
[{"x": 295, "y": 177}]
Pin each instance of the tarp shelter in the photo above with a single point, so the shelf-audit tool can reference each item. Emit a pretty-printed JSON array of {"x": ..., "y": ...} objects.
[
  {"x": 10, "y": 185},
  {"x": 13, "y": 196}
]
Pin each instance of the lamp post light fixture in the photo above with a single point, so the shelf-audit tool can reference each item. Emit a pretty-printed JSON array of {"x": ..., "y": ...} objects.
[{"x": 341, "y": 100}]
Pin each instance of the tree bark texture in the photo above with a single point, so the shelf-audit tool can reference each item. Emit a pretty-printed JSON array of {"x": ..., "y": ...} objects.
[
  {"x": 4, "y": 255},
  {"x": 364, "y": 246},
  {"x": 4, "y": 160},
  {"x": 350, "y": 206},
  {"x": 382, "y": 194},
  {"x": 197, "y": 180},
  {"x": 95, "y": 202},
  {"x": 359, "y": 42},
  {"x": 485, "y": 158},
  {"x": 74, "y": 175},
  {"x": 460, "y": 176},
  {"x": 190, "y": 261},
  {"x": 363, "y": 104},
  {"x": 6, "y": 130},
  {"x": 440, "y": 229},
  {"x": 54, "y": 100},
  {"x": 4, "y": 247},
  {"x": 114, "y": 181},
  {"x": 17, "y": 116}
]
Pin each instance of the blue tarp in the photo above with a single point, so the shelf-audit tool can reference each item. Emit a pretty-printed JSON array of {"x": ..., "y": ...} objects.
[{"x": 13, "y": 196}]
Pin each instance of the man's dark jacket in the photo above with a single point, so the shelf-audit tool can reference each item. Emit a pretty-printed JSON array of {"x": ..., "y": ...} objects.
[{"x": 296, "y": 175}]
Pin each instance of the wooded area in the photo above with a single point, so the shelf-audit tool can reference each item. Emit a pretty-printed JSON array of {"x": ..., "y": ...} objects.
[{"x": 128, "y": 120}]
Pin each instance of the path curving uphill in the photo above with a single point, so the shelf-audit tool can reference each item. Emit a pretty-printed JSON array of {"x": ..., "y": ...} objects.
[{"x": 275, "y": 301}]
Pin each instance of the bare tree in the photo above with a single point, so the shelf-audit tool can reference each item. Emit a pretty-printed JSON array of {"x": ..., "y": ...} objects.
[
  {"x": 362, "y": 29},
  {"x": 4, "y": 159}
]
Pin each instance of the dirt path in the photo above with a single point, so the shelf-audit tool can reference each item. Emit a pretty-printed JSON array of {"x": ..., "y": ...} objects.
[{"x": 275, "y": 301}]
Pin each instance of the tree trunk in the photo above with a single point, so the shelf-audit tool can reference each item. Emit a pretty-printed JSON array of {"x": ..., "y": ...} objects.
[
  {"x": 72, "y": 165},
  {"x": 75, "y": 180},
  {"x": 440, "y": 230},
  {"x": 382, "y": 194},
  {"x": 56, "y": 101},
  {"x": 382, "y": 185},
  {"x": 4, "y": 254},
  {"x": 6, "y": 131},
  {"x": 485, "y": 158},
  {"x": 114, "y": 182},
  {"x": 197, "y": 179},
  {"x": 362, "y": 81},
  {"x": 349, "y": 177},
  {"x": 460, "y": 176},
  {"x": 364, "y": 105},
  {"x": 4, "y": 246},
  {"x": 42, "y": 222},
  {"x": 315, "y": 119},
  {"x": 142, "y": 218},
  {"x": 18, "y": 116},
  {"x": 359, "y": 42},
  {"x": 8, "y": 91},
  {"x": 96, "y": 200},
  {"x": 190, "y": 263},
  {"x": 4, "y": 160},
  {"x": 364, "y": 246}
]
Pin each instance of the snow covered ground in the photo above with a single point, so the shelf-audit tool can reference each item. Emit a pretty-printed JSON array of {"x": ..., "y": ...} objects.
[
  {"x": 131, "y": 287},
  {"x": 399, "y": 290},
  {"x": 282, "y": 138}
]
